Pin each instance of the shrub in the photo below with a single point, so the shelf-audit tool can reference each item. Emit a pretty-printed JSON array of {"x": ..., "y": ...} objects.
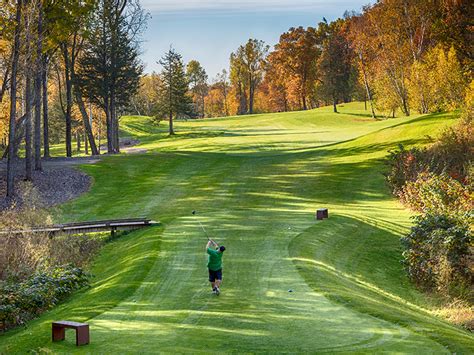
[
  {"x": 20, "y": 302},
  {"x": 22, "y": 254},
  {"x": 453, "y": 153},
  {"x": 438, "y": 252},
  {"x": 437, "y": 194},
  {"x": 405, "y": 165}
]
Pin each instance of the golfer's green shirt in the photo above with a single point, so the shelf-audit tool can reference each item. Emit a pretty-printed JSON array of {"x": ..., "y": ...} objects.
[{"x": 215, "y": 259}]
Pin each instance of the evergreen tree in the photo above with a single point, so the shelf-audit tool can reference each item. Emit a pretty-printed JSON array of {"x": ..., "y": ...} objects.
[
  {"x": 174, "y": 100},
  {"x": 109, "y": 69}
]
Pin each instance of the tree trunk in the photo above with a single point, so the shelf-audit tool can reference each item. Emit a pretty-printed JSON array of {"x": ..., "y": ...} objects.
[
  {"x": 45, "y": 108},
  {"x": 38, "y": 80},
  {"x": 28, "y": 104},
  {"x": 171, "y": 131},
  {"x": 224, "y": 92},
  {"x": 334, "y": 105},
  {"x": 13, "y": 86},
  {"x": 68, "y": 100},
  {"x": 114, "y": 125},
  {"x": 86, "y": 122},
  {"x": 28, "y": 128},
  {"x": 86, "y": 145},
  {"x": 78, "y": 142},
  {"x": 6, "y": 78},
  {"x": 110, "y": 147},
  {"x": 116, "y": 128},
  {"x": 251, "y": 96}
]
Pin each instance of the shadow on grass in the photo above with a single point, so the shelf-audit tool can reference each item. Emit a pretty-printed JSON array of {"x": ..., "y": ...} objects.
[{"x": 357, "y": 264}]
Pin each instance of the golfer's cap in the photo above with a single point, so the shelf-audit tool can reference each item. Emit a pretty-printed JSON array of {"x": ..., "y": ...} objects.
[{"x": 222, "y": 248}]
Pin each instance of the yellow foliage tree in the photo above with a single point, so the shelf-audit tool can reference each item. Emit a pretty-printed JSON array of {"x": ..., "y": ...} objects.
[{"x": 443, "y": 85}]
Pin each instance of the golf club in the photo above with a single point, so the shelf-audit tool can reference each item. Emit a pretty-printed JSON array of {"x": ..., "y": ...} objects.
[{"x": 204, "y": 230}]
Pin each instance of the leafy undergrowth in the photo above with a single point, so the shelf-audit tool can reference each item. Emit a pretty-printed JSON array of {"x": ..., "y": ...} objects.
[{"x": 255, "y": 183}]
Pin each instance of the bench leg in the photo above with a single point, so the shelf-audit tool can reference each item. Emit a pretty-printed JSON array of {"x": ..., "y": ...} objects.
[
  {"x": 82, "y": 335},
  {"x": 59, "y": 333}
]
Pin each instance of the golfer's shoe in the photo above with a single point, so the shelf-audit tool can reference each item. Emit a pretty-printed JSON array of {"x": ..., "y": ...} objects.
[
  {"x": 218, "y": 291},
  {"x": 214, "y": 290}
]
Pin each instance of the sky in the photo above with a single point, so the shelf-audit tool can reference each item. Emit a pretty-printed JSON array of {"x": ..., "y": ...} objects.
[{"x": 208, "y": 31}]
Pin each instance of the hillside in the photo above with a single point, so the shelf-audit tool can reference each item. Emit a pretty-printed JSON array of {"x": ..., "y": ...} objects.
[{"x": 256, "y": 182}]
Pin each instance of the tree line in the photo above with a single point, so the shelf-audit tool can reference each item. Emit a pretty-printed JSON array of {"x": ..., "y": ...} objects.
[
  {"x": 70, "y": 68},
  {"x": 397, "y": 56},
  {"x": 63, "y": 62}
]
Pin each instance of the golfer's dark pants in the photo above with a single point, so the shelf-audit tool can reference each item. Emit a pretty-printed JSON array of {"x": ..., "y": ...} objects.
[{"x": 215, "y": 275}]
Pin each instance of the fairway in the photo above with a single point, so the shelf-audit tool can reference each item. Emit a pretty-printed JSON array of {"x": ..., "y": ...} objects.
[{"x": 255, "y": 182}]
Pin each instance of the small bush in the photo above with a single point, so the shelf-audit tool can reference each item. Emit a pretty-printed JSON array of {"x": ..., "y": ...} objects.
[
  {"x": 405, "y": 165},
  {"x": 437, "y": 194},
  {"x": 453, "y": 153},
  {"x": 20, "y": 302},
  {"x": 21, "y": 254},
  {"x": 438, "y": 253}
]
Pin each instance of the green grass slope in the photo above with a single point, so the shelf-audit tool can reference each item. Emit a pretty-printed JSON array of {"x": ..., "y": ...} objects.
[{"x": 255, "y": 182}]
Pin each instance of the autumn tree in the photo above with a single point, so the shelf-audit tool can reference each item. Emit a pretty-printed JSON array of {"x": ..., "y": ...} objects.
[
  {"x": 363, "y": 55},
  {"x": 197, "y": 79},
  {"x": 247, "y": 68},
  {"x": 295, "y": 57},
  {"x": 146, "y": 98},
  {"x": 239, "y": 83},
  {"x": 216, "y": 100},
  {"x": 222, "y": 83},
  {"x": 335, "y": 63}
]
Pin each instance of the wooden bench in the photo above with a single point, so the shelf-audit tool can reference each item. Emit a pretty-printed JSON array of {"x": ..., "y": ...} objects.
[
  {"x": 82, "y": 331},
  {"x": 322, "y": 213}
]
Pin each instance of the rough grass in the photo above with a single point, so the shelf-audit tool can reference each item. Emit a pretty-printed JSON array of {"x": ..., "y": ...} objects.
[{"x": 255, "y": 182}]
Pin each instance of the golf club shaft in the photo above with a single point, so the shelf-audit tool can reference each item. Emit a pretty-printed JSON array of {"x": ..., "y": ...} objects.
[{"x": 204, "y": 230}]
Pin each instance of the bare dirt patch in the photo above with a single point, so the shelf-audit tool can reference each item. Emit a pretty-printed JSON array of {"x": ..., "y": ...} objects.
[{"x": 55, "y": 184}]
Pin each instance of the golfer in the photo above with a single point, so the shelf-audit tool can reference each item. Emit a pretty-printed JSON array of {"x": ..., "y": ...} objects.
[{"x": 214, "y": 265}]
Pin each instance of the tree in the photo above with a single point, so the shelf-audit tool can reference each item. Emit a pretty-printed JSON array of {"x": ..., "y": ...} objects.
[
  {"x": 398, "y": 32},
  {"x": 13, "y": 93},
  {"x": 294, "y": 59},
  {"x": 27, "y": 57},
  {"x": 38, "y": 85},
  {"x": 109, "y": 68},
  {"x": 145, "y": 100},
  {"x": 334, "y": 65},
  {"x": 443, "y": 85},
  {"x": 222, "y": 82},
  {"x": 197, "y": 78},
  {"x": 173, "y": 96},
  {"x": 247, "y": 69},
  {"x": 358, "y": 41},
  {"x": 277, "y": 82},
  {"x": 239, "y": 83},
  {"x": 217, "y": 98}
]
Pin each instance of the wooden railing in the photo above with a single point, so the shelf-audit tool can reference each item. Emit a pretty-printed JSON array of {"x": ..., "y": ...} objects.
[{"x": 111, "y": 225}]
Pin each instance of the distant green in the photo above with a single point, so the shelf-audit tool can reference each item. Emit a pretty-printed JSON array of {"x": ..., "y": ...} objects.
[{"x": 256, "y": 182}]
